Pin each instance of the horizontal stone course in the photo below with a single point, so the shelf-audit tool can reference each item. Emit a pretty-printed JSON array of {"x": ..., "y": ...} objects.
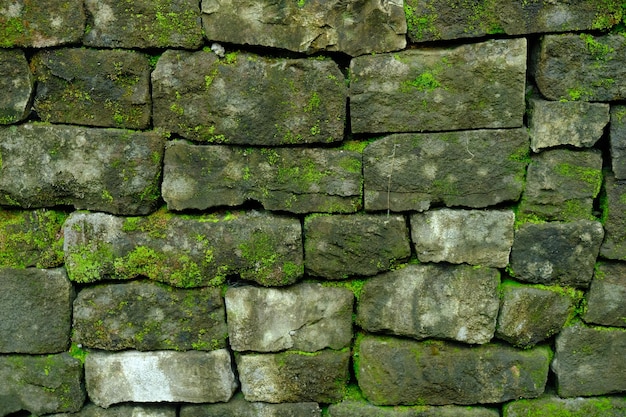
[
  {"x": 361, "y": 408},
  {"x": 554, "y": 406}
]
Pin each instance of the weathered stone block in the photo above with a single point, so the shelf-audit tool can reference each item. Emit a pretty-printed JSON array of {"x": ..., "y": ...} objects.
[
  {"x": 618, "y": 141},
  {"x": 340, "y": 246},
  {"x": 94, "y": 88},
  {"x": 249, "y": 99},
  {"x": 463, "y": 236},
  {"x": 102, "y": 169},
  {"x": 614, "y": 216},
  {"x": 590, "y": 361},
  {"x": 285, "y": 179},
  {"x": 352, "y": 408},
  {"x": 470, "y": 86},
  {"x": 40, "y": 384},
  {"x": 16, "y": 85},
  {"x": 305, "y": 317},
  {"x": 556, "y": 253},
  {"x": 159, "y": 376},
  {"x": 91, "y": 410},
  {"x": 353, "y": 27},
  {"x": 421, "y": 301},
  {"x": 41, "y": 24},
  {"x": 469, "y": 168},
  {"x": 149, "y": 316},
  {"x": 580, "y": 67},
  {"x": 398, "y": 371},
  {"x": 553, "y": 406},
  {"x": 143, "y": 24},
  {"x": 184, "y": 251},
  {"x": 239, "y": 407},
  {"x": 606, "y": 298}
]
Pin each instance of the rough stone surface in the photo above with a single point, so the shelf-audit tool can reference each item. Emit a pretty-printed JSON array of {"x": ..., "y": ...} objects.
[
  {"x": 618, "y": 141},
  {"x": 143, "y": 24},
  {"x": 91, "y": 410},
  {"x": 590, "y": 361},
  {"x": 112, "y": 170},
  {"x": 36, "y": 309},
  {"x": 561, "y": 185},
  {"x": 553, "y": 406},
  {"x": 353, "y": 27},
  {"x": 463, "y": 236},
  {"x": 531, "y": 314},
  {"x": 159, "y": 376},
  {"x": 614, "y": 216},
  {"x": 248, "y": 99},
  {"x": 184, "y": 251},
  {"x": 40, "y": 384},
  {"x": 41, "y": 24},
  {"x": 294, "y": 377},
  {"x": 581, "y": 67},
  {"x": 340, "y": 246},
  {"x": 239, "y": 407},
  {"x": 398, "y": 371},
  {"x": 556, "y": 253},
  {"x": 285, "y": 179},
  {"x": 606, "y": 298},
  {"x": 421, "y": 301},
  {"x": 554, "y": 123},
  {"x": 16, "y": 85},
  {"x": 352, "y": 408},
  {"x": 149, "y": 316},
  {"x": 94, "y": 88},
  {"x": 469, "y": 168},
  {"x": 465, "y": 87},
  {"x": 305, "y": 317}
]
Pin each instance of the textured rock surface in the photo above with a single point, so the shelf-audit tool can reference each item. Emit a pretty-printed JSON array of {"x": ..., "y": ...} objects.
[
  {"x": 618, "y": 141},
  {"x": 341, "y": 246},
  {"x": 308, "y": 26},
  {"x": 606, "y": 298},
  {"x": 399, "y": 371},
  {"x": 159, "y": 376},
  {"x": 421, "y": 301},
  {"x": 614, "y": 245},
  {"x": 463, "y": 236},
  {"x": 465, "y": 87},
  {"x": 470, "y": 168},
  {"x": 285, "y": 179},
  {"x": 91, "y": 410},
  {"x": 352, "y": 408},
  {"x": 239, "y": 407},
  {"x": 553, "y": 406},
  {"x": 16, "y": 85}
]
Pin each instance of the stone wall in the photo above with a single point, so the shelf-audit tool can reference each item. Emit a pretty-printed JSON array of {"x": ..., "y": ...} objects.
[{"x": 312, "y": 208}]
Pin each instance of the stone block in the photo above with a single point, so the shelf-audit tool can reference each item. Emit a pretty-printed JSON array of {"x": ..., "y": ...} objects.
[
  {"x": 284, "y": 179},
  {"x": 474, "y": 237},
  {"x": 159, "y": 376},
  {"x": 126, "y": 410},
  {"x": 239, "y": 407},
  {"x": 614, "y": 216},
  {"x": 476, "y": 169},
  {"x": 361, "y": 408},
  {"x": 340, "y": 246},
  {"x": 617, "y": 137},
  {"x": 16, "y": 84},
  {"x": 606, "y": 298},
  {"x": 553, "y": 406},
  {"x": 470, "y": 86},
  {"x": 457, "y": 302}
]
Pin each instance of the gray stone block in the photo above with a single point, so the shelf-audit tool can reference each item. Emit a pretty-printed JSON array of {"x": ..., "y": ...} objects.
[
  {"x": 553, "y": 406},
  {"x": 617, "y": 136},
  {"x": 92, "y": 410},
  {"x": 16, "y": 84},
  {"x": 606, "y": 298},
  {"x": 239, "y": 407},
  {"x": 614, "y": 216}
]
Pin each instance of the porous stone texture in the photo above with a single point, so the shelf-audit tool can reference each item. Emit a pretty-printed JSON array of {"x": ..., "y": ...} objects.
[
  {"x": 111, "y": 170},
  {"x": 249, "y": 99},
  {"x": 464, "y": 87},
  {"x": 590, "y": 361},
  {"x": 36, "y": 309},
  {"x": 561, "y": 185},
  {"x": 304, "y": 317},
  {"x": 399, "y": 371},
  {"x": 441, "y": 301},
  {"x": 16, "y": 85},
  {"x": 292, "y": 377},
  {"x": 617, "y": 137},
  {"x": 41, "y": 24},
  {"x": 149, "y": 316},
  {"x": 184, "y": 251},
  {"x": 239, "y": 407},
  {"x": 356, "y": 408},
  {"x": 553, "y": 406},
  {"x": 341, "y": 246},
  {"x": 580, "y": 67},
  {"x": 575, "y": 123},
  {"x": 556, "y": 253},
  {"x": 143, "y": 24},
  {"x": 614, "y": 216},
  {"x": 94, "y": 88},
  {"x": 126, "y": 410},
  {"x": 457, "y": 236},
  {"x": 159, "y": 376},
  {"x": 474, "y": 169},
  {"x": 308, "y": 26},
  {"x": 606, "y": 298},
  {"x": 40, "y": 384},
  {"x": 531, "y": 314},
  {"x": 285, "y": 179}
]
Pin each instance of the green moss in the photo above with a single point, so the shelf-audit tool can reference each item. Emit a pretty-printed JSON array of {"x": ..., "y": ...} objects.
[
  {"x": 350, "y": 164},
  {"x": 88, "y": 263},
  {"x": 12, "y": 31},
  {"x": 78, "y": 353},
  {"x": 419, "y": 25},
  {"x": 425, "y": 81},
  {"x": 354, "y": 285},
  {"x": 609, "y": 13},
  {"x": 591, "y": 176},
  {"x": 598, "y": 50}
]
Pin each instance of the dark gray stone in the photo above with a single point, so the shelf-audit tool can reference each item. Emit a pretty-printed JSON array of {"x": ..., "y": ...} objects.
[
  {"x": 470, "y": 86},
  {"x": 441, "y": 301},
  {"x": 93, "y": 88},
  {"x": 336, "y": 247},
  {"x": 285, "y": 179},
  {"x": 606, "y": 298},
  {"x": 16, "y": 85},
  {"x": 469, "y": 168},
  {"x": 614, "y": 216},
  {"x": 618, "y": 141},
  {"x": 354, "y": 408},
  {"x": 91, "y": 410},
  {"x": 553, "y": 406},
  {"x": 239, "y": 407}
]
